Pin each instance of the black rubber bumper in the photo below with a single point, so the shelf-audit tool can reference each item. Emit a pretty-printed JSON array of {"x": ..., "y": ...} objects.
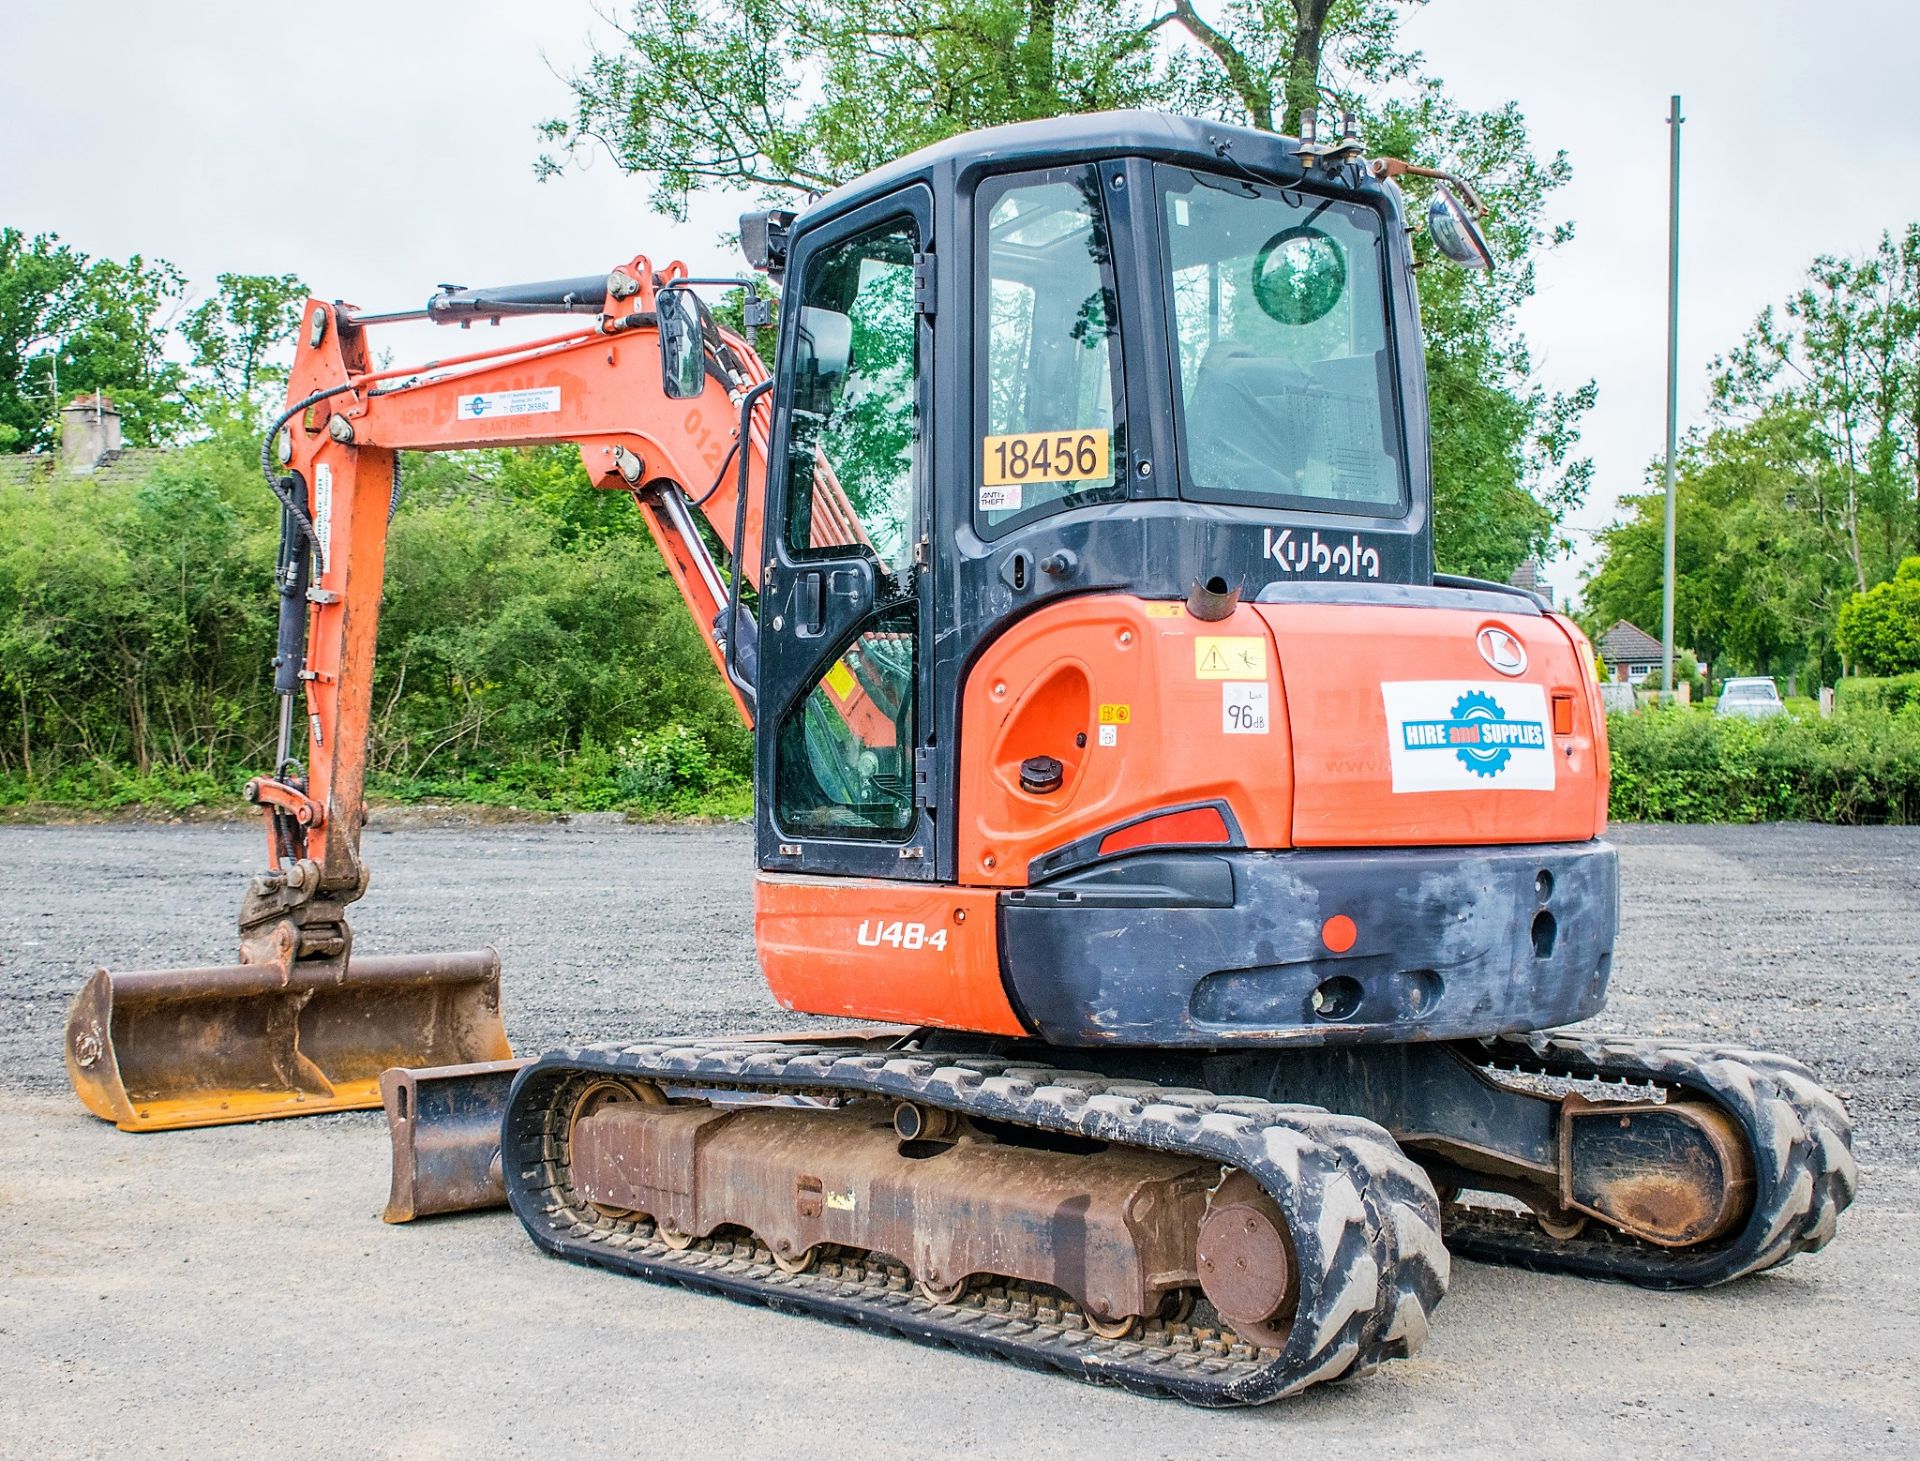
[{"x": 1196, "y": 948}]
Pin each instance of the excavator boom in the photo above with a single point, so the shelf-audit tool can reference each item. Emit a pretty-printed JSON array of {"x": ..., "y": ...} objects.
[{"x": 663, "y": 405}]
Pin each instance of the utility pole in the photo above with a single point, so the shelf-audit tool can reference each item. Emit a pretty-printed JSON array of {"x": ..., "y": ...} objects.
[{"x": 1674, "y": 119}]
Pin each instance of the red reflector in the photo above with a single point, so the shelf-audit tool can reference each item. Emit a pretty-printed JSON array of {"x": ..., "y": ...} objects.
[
  {"x": 1195, "y": 824},
  {"x": 1563, "y": 714},
  {"x": 1338, "y": 933}
]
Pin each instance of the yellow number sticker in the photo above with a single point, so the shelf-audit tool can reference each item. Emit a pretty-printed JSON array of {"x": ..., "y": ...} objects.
[
  {"x": 1165, "y": 611},
  {"x": 1046, "y": 456},
  {"x": 1229, "y": 657},
  {"x": 840, "y": 680},
  {"x": 1116, "y": 714}
]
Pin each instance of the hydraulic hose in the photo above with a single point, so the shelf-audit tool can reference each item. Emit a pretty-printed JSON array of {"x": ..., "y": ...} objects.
[
  {"x": 293, "y": 573},
  {"x": 280, "y": 486}
]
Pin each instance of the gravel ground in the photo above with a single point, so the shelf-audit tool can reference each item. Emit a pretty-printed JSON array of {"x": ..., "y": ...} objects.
[{"x": 232, "y": 1292}]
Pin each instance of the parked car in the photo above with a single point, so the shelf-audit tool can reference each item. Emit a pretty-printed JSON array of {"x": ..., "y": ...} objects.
[{"x": 1754, "y": 696}]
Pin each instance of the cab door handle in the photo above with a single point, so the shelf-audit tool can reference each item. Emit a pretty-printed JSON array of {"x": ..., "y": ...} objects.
[{"x": 809, "y": 605}]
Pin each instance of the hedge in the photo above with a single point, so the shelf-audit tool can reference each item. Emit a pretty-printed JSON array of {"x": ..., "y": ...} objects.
[
  {"x": 1891, "y": 692},
  {"x": 1684, "y": 766}
]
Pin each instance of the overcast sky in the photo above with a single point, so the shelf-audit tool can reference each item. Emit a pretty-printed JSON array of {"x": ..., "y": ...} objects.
[{"x": 378, "y": 149}]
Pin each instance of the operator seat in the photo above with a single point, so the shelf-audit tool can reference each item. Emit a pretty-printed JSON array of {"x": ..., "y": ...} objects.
[{"x": 1240, "y": 433}]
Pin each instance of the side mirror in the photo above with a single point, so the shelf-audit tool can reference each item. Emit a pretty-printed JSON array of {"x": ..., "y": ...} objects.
[
  {"x": 683, "y": 349},
  {"x": 1455, "y": 233}
]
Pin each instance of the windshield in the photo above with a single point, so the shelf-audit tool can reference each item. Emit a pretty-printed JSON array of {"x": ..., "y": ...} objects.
[{"x": 1280, "y": 317}]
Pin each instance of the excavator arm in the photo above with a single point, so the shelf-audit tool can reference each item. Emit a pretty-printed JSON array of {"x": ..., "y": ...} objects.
[
  {"x": 690, "y": 449},
  {"x": 664, "y": 405}
]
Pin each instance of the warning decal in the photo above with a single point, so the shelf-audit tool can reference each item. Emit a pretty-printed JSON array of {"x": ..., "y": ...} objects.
[
  {"x": 1230, "y": 657},
  {"x": 323, "y": 511}
]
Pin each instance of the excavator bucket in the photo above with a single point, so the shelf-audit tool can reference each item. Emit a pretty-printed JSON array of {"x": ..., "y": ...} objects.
[
  {"x": 445, "y": 1128},
  {"x": 162, "y": 1049}
]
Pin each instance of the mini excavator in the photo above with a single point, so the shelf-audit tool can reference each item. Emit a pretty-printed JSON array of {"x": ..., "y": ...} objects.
[{"x": 1215, "y": 867}]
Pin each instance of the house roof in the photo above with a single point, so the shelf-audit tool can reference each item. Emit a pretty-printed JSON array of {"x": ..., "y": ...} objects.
[
  {"x": 127, "y": 464},
  {"x": 1629, "y": 642},
  {"x": 1527, "y": 576}
]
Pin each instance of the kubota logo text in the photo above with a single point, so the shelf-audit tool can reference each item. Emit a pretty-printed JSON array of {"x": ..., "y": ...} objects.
[{"x": 1324, "y": 557}]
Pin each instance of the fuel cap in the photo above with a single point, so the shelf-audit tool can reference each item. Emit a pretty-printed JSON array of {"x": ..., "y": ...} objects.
[{"x": 1041, "y": 774}]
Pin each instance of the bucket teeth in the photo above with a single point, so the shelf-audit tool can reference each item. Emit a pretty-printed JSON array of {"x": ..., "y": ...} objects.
[{"x": 162, "y": 1049}]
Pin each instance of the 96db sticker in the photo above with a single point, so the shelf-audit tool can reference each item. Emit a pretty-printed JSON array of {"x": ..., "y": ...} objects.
[{"x": 1243, "y": 708}]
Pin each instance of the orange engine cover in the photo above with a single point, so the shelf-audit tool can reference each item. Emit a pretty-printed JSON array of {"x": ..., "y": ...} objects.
[
  {"x": 1311, "y": 724},
  {"x": 1146, "y": 708},
  {"x": 1417, "y": 726}
]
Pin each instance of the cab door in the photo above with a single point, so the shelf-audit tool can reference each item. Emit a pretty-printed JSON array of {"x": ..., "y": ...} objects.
[{"x": 845, "y": 603}]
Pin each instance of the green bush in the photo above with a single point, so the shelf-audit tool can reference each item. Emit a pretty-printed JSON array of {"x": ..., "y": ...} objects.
[
  {"x": 1879, "y": 630},
  {"x": 1860, "y": 692},
  {"x": 1856, "y": 768},
  {"x": 528, "y": 627},
  {"x": 1686, "y": 671},
  {"x": 667, "y": 766}
]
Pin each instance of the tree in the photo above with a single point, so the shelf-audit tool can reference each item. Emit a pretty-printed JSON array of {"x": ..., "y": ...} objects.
[
  {"x": 37, "y": 276},
  {"x": 96, "y": 325},
  {"x": 1802, "y": 492},
  {"x": 788, "y": 98},
  {"x": 1845, "y": 352},
  {"x": 234, "y": 335},
  {"x": 1756, "y": 583},
  {"x": 1879, "y": 630}
]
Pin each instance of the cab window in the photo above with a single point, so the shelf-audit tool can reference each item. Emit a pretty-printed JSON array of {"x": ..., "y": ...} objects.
[
  {"x": 1047, "y": 370},
  {"x": 853, "y": 434}
]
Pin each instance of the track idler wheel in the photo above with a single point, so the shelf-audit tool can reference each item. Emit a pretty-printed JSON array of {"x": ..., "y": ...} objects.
[
  {"x": 940, "y": 1293},
  {"x": 790, "y": 1262},
  {"x": 1674, "y": 1174},
  {"x": 1116, "y": 1328},
  {"x": 1246, "y": 1262},
  {"x": 597, "y": 1096}
]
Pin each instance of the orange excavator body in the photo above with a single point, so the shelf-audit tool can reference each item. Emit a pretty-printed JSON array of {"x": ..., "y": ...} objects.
[{"x": 1074, "y": 571}]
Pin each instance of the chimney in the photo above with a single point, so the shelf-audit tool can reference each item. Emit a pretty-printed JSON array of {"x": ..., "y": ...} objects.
[{"x": 89, "y": 432}]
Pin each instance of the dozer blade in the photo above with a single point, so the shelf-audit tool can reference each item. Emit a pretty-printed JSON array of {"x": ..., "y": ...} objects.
[
  {"x": 444, "y": 1123},
  {"x": 161, "y": 1049}
]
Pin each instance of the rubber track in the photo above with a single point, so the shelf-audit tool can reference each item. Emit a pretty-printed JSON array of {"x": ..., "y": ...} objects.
[
  {"x": 1364, "y": 1218},
  {"x": 1799, "y": 1133}
]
